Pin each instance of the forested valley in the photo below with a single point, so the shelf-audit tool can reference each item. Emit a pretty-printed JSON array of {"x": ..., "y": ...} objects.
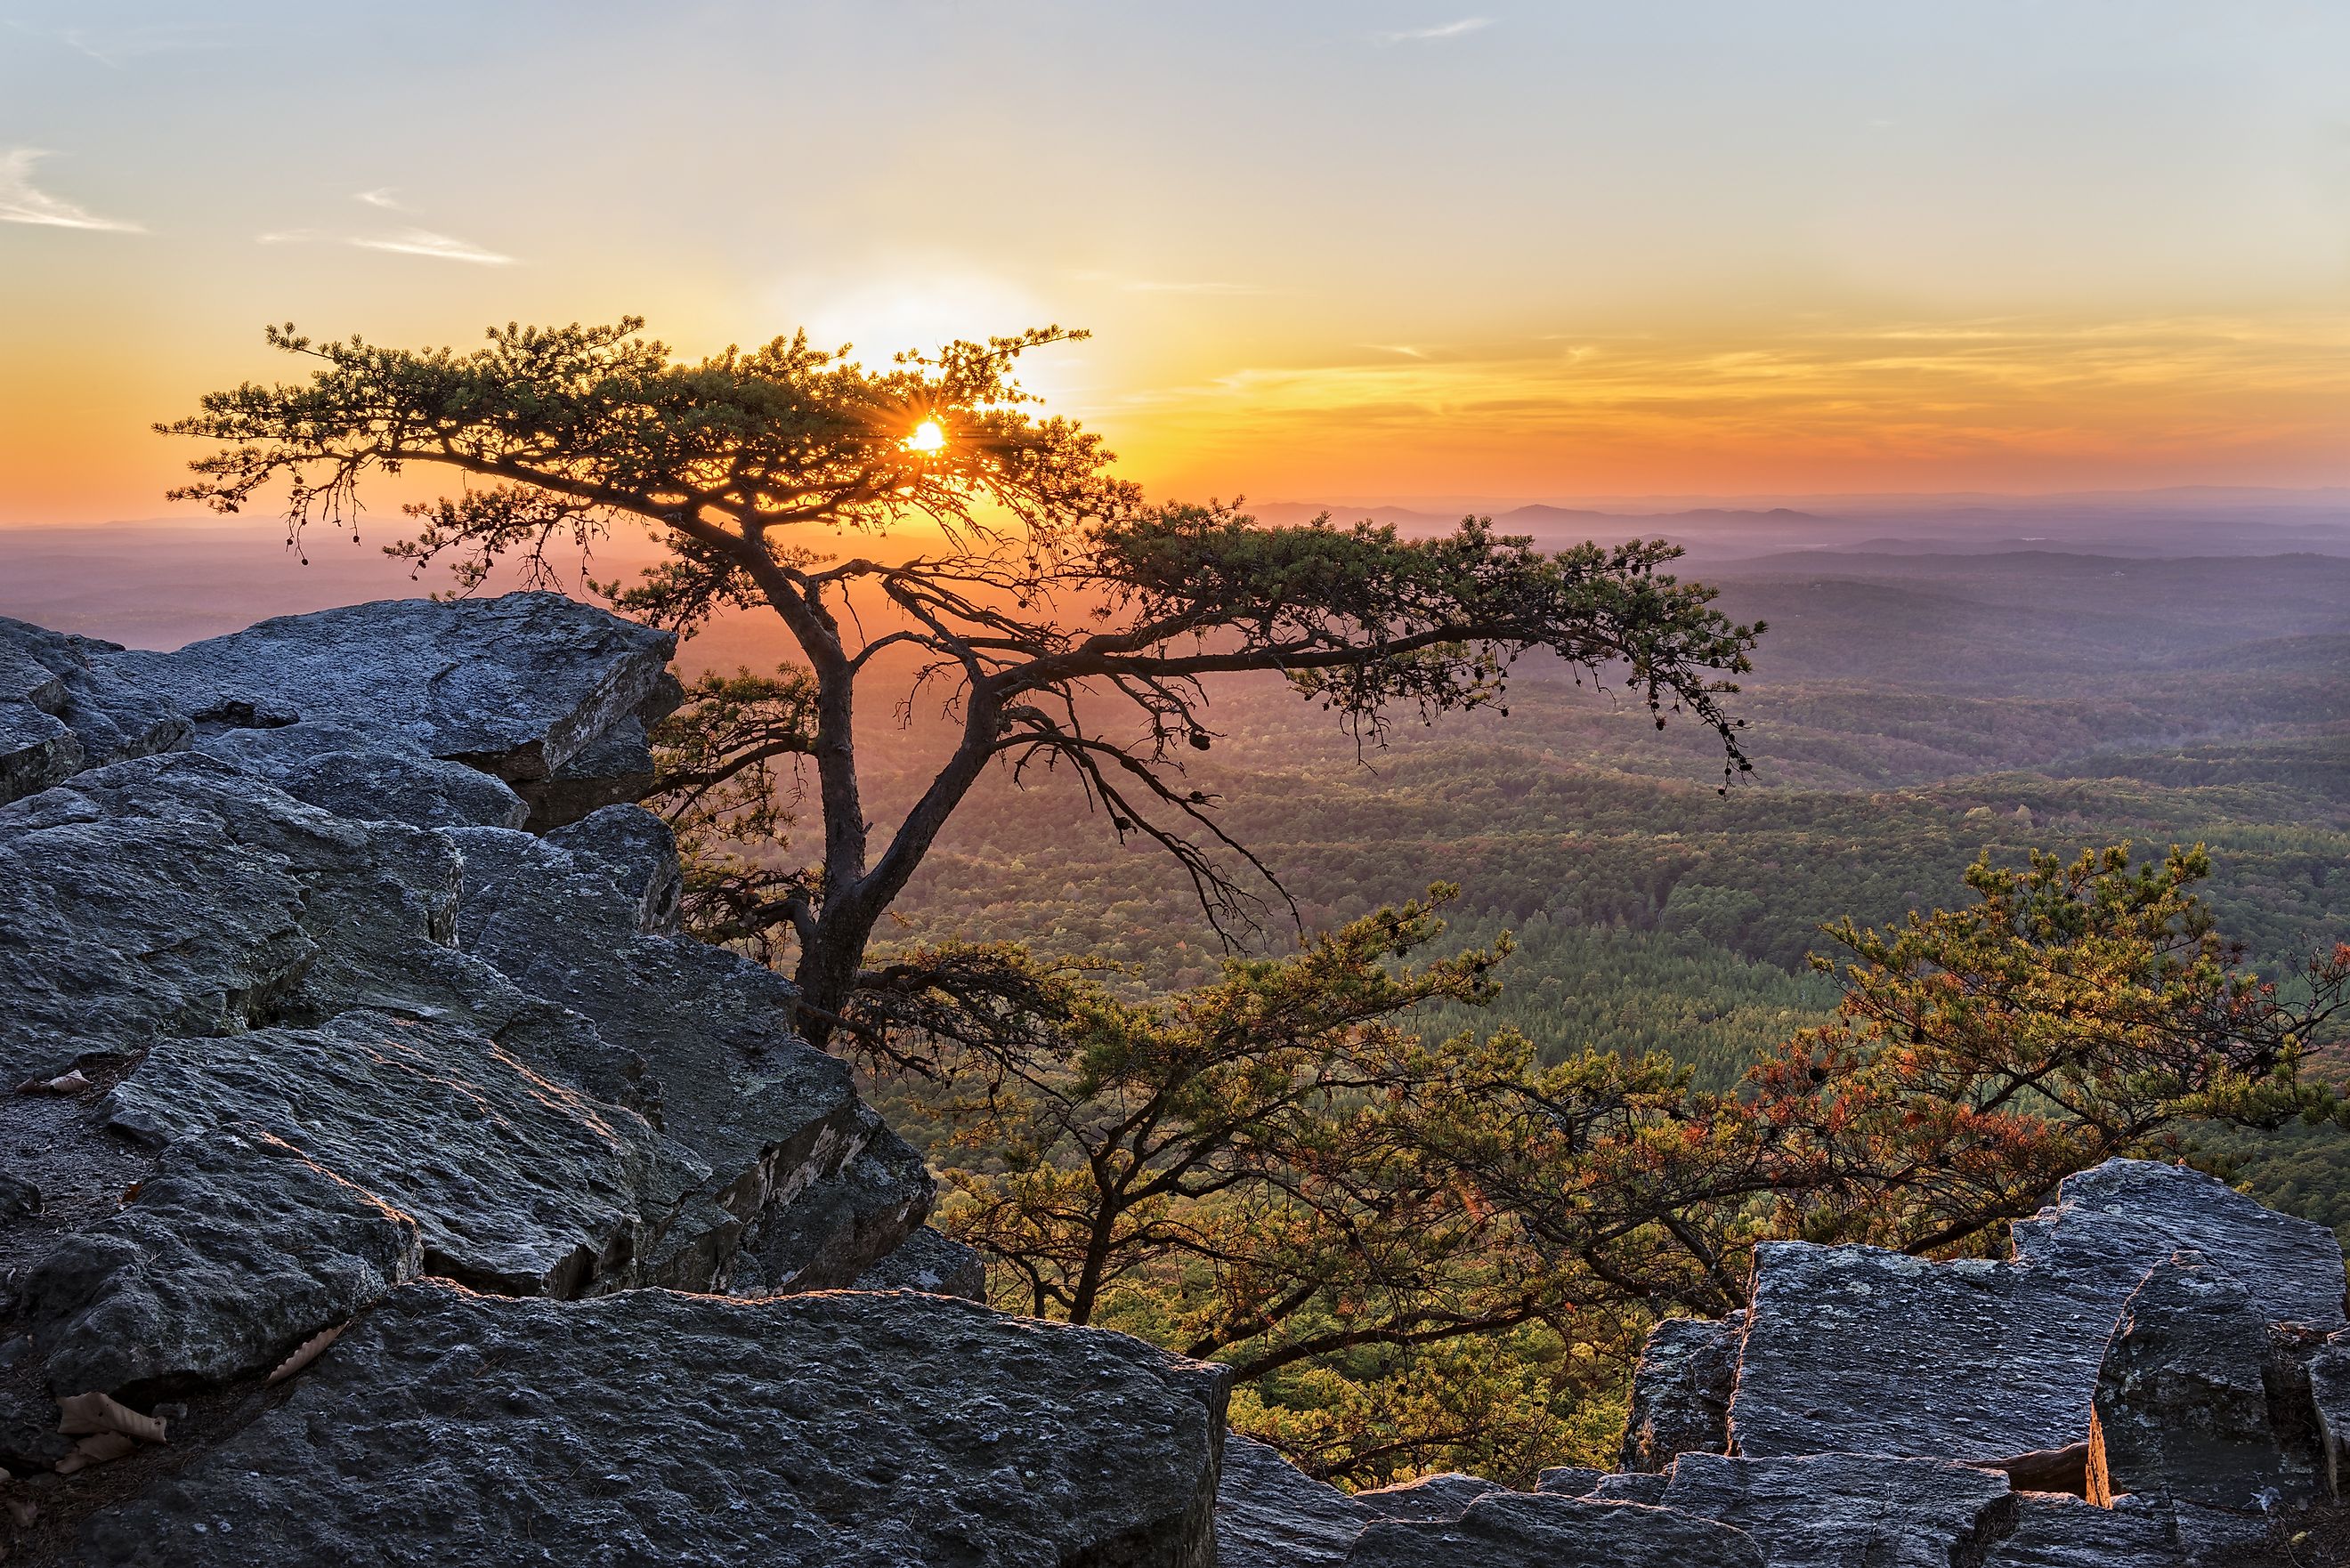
[{"x": 1909, "y": 713}]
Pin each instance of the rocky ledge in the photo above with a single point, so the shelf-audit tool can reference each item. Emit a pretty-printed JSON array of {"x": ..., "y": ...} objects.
[
  {"x": 387, "y": 1180},
  {"x": 364, "y": 1087},
  {"x": 2157, "y": 1378}
]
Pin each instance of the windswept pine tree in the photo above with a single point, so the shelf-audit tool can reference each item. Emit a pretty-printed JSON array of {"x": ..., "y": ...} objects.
[{"x": 1066, "y": 623}]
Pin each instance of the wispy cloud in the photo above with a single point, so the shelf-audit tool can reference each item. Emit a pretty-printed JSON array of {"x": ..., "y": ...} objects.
[
  {"x": 111, "y": 47},
  {"x": 379, "y": 197},
  {"x": 1435, "y": 35},
  {"x": 406, "y": 242},
  {"x": 426, "y": 242},
  {"x": 22, "y": 202}
]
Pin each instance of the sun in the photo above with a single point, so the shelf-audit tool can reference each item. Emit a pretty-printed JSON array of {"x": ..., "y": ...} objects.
[{"x": 927, "y": 438}]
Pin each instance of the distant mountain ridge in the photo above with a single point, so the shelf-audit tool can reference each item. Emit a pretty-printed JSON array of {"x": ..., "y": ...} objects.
[{"x": 1717, "y": 534}]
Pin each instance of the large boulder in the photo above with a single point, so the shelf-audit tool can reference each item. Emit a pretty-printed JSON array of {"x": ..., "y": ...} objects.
[
  {"x": 2183, "y": 1399},
  {"x": 1270, "y": 1514},
  {"x": 1855, "y": 1349},
  {"x": 1680, "y": 1391},
  {"x": 1834, "y": 1508},
  {"x": 517, "y": 686},
  {"x": 1526, "y": 1530},
  {"x": 879, "y": 1430}
]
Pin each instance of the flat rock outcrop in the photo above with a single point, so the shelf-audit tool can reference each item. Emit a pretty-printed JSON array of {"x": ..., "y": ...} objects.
[
  {"x": 1876, "y": 1409},
  {"x": 517, "y": 686},
  {"x": 881, "y": 1429},
  {"x": 1991, "y": 1361},
  {"x": 356, "y": 989}
]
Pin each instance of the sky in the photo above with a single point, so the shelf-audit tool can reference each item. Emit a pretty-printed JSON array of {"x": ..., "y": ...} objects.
[{"x": 1371, "y": 250}]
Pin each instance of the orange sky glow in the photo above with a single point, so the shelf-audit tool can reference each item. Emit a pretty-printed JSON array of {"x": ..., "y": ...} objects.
[{"x": 1327, "y": 252}]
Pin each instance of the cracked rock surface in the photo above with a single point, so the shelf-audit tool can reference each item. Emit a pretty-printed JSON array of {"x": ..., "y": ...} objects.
[
  {"x": 63, "y": 709},
  {"x": 875, "y": 1429},
  {"x": 1527, "y": 1530},
  {"x": 1270, "y": 1514},
  {"x": 338, "y": 1022},
  {"x": 515, "y": 686},
  {"x": 236, "y": 1251},
  {"x": 1832, "y": 1508},
  {"x": 1986, "y": 1360},
  {"x": 516, "y": 1183}
]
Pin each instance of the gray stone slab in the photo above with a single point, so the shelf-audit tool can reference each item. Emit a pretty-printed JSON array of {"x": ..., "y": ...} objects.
[
  {"x": 1680, "y": 1391},
  {"x": 236, "y": 1249},
  {"x": 356, "y": 772},
  {"x": 1569, "y": 1481},
  {"x": 928, "y": 1261},
  {"x": 62, "y": 709},
  {"x": 1837, "y": 1509},
  {"x": 518, "y": 1184},
  {"x": 1631, "y": 1486},
  {"x": 2182, "y": 1400},
  {"x": 1270, "y": 1514},
  {"x": 1860, "y": 1350},
  {"x": 1436, "y": 1497},
  {"x": 887, "y": 1431},
  {"x": 2053, "y": 1530},
  {"x": 1526, "y": 1530},
  {"x": 516, "y": 685},
  {"x": 174, "y": 895}
]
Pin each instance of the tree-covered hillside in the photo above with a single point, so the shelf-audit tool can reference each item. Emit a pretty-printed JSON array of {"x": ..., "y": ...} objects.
[{"x": 1898, "y": 731}]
